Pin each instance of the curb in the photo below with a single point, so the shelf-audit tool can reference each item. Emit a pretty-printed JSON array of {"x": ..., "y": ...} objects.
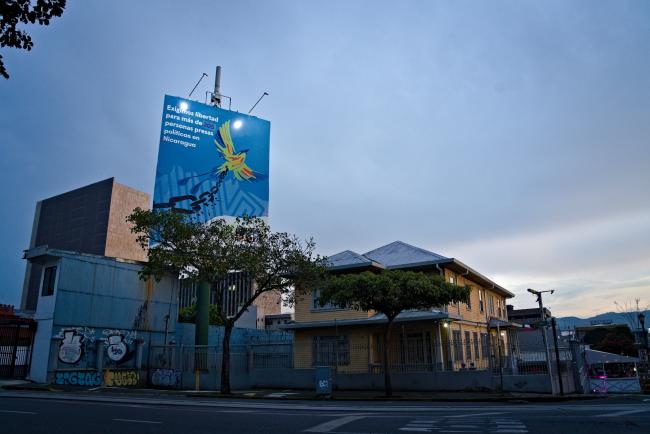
[{"x": 133, "y": 393}]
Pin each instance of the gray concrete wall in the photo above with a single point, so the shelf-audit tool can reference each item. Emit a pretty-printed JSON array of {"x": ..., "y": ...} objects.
[
  {"x": 526, "y": 383},
  {"x": 282, "y": 378},
  {"x": 442, "y": 381}
]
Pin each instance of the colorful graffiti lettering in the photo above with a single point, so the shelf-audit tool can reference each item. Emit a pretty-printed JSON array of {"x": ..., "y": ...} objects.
[
  {"x": 122, "y": 378},
  {"x": 78, "y": 378},
  {"x": 166, "y": 378}
]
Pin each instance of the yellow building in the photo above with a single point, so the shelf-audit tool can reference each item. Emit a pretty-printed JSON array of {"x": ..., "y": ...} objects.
[{"x": 453, "y": 337}]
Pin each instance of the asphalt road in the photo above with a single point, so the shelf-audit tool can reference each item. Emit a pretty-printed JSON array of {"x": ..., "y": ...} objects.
[{"x": 45, "y": 412}]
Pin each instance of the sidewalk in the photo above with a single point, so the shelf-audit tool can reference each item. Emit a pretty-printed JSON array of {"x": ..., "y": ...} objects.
[{"x": 309, "y": 395}]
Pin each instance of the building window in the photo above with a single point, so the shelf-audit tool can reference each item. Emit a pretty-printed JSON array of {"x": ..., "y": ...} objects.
[
  {"x": 326, "y": 350},
  {"x": 469, "y": 298},
  {"x": 491, "y": 305},
  {"x": 485, "y": 350},
  {"x": 49, "y": 278},
  {"x": 481, "y": 307},
  {"x": 498, "y": 307},
  {"x": 468, "y": 346},
  {"x": 458, "y": 346},
  {"x": 476, "y": 346},
  {"x": 315, "y": 305},
  {"x": 452, "y": 279}
]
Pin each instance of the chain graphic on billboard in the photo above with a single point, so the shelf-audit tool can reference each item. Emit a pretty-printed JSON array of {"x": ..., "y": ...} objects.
[{"x": 211, "y": 162}]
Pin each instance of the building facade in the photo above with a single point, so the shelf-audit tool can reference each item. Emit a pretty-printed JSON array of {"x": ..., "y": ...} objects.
[
  {"x": 454, "y": 337},
  {"x": 97, "y": 319},
  {"x": 235, "y": 290},
  {"x": 90, "y": 219}
]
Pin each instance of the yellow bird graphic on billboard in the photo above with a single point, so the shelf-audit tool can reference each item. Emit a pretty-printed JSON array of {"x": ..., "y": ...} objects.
[{"x": 234, "y": 161}]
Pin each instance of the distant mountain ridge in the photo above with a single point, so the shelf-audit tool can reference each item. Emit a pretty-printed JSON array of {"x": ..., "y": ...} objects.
[{"x": 569, "y": 322}]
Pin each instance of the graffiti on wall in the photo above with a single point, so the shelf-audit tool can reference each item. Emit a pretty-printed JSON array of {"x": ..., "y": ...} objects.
[
  {"x": 73, "y": 339},
  {"x": 166, "y": 377},
  {"x": 78, "y": 378},
  {"x": 121, "y": 378},
  {"x": 117, "y": 344}
]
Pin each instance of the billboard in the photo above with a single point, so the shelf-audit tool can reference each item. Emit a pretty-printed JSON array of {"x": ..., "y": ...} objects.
[{"x": 211, "y": 162}]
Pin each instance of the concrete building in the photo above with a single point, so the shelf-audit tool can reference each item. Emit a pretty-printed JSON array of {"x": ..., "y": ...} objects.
[
  {"x": 97, "y": 318},
  {"x": 90, "y": 219},
  {"x": 275, "y": 322}
]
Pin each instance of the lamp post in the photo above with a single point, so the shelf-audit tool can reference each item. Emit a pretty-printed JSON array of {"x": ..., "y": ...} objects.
[{"x": 643, "y": 350}]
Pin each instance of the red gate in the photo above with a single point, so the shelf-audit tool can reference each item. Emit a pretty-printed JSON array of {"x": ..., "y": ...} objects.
[{"x": 16, "y": 339}]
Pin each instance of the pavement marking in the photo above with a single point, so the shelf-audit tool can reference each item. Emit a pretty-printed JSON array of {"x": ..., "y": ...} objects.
[
  {"x": 623, "y": 413},
  {"x": 510, "y": 430},
  {"x": 280, "y": 394},
  {"x": 453, "y": 430},
  {"x": 420, "y": 425},
  {"x": 137, "y": 421},
  {"x": 508, "y": 426},
  {"x": 18, "y": 412},
  {"x": 333, "y": 424},
  {"x": 472, "y": 415}
]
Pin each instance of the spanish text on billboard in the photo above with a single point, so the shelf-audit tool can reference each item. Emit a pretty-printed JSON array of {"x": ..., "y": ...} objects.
[{"x": 211, "y": 162}]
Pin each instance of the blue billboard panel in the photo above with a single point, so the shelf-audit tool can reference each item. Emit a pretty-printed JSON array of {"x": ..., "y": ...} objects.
[{"x": 211, "y": 162}]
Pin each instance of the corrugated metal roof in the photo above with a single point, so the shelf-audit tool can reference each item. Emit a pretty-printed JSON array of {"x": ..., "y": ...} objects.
[
  {"x": 408, "y": 316},
  {"x": 400, "y": 253},
  {"x": 347, "y": 258},
  {"x": 594, "y": 356}
]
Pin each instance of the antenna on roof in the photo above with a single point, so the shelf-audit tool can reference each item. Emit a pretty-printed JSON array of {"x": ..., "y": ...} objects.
[
  {"x": 197, "y": 83},
  {"x": 258, "y": 101}
]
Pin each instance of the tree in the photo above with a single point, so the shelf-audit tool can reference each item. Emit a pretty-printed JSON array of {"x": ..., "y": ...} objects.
[
  {"x": 616, "y": 342},
  {"x": 390, "y": 292},
  {"x": 13, "y": 12},
  {"x": 274, "y": 261},
  {"x": 188, "y": 314},
  {"x": 631, "y": 310}
]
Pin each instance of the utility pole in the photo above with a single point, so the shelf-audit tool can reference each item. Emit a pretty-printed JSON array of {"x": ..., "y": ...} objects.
[
  {"x": 544, "y": 327},
  {"x": 557, "y": 357},
  {"x": 643, "y": 351},
  {"x": 203, "y": 289}
]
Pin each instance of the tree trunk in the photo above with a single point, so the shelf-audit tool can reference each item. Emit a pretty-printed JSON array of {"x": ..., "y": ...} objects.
[
  {"x": 225, "y": 357},
  {"x": 387, "y": 383}
]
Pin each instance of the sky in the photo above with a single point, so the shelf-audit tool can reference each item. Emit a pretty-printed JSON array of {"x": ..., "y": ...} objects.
[{"x": 512, "y": 135}]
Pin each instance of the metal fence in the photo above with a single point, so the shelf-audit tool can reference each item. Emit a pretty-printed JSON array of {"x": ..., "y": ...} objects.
[
  {"x": 410, "y": 356},
  {"x": 406, "y": 355}
]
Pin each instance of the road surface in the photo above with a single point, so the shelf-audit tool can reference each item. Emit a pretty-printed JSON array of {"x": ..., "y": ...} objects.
[{"x": 46, "y": 412}]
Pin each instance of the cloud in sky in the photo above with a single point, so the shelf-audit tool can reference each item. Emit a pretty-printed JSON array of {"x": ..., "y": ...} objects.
[
  {"x": 512, "y": 135},
  {"x": 592, "y": 264}
]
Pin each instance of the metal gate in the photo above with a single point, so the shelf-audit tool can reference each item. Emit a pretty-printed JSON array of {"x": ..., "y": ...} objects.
[{"x": 16, "y": 339}]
